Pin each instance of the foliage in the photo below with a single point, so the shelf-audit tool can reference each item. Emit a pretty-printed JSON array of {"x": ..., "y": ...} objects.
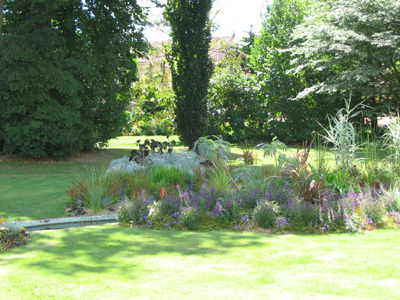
[
  {"x": 186, "y": 161},
  {"x": 135, "y": 212},
  {"x": 150, "y": 111},
  {"x": 351, "y": 45},
  {"x": 190, "y": 217},
  {"x": 272, "y": 149},
  {"x": 249, "y": 154},
  {"x": 265, "y": 213},
  {"x": 218, "y": 180},
  {"x": 216, "y": 151},
  {"x": 342, "y": 135},
  {"x": 12, "y": 235},
  {"x": 168, "y": 178},
  {"x": 339, "y": 180},
  {"x": 91, "y": 188},
  {"x": 66, "y": 70},
  {"x": 234, "y": 110},
  {"x": 284, "y": 116},
  {"x": 392, "y": 138},
  {"x": 190, "y": 64},
  {"x": 244, "y": 223},
  {"x": 170, "y": 205}
]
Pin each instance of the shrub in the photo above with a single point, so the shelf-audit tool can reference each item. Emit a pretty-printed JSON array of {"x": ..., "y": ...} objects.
[
  {"x": 301, "y": 212},
  {"x": 170, "y": 205},
  {"x": 136, "y": 211},
  {"x": 12, "y": 235},
  {"x": 265, "y": 213},
  {"x": 247, "y": 199},
  {"x": 244, "y": 223},
  {"x": 190, "y": 217}
]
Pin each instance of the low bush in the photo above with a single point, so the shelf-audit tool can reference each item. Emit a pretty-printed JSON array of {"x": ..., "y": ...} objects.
[
  {"x": 265, "y": 213},
  {"x": 136, "y": 211},
  {"x": 190, "y": 217},
  {"x": 12, "y": 235}
]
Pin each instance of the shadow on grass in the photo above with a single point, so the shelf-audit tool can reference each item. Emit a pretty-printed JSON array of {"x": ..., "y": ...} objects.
[{"x": 116, "y": 249}]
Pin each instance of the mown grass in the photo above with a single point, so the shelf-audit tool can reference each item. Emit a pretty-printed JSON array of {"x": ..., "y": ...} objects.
[
  {"x": 37, "y": 189},
  {"x": 108, "y": 262}
]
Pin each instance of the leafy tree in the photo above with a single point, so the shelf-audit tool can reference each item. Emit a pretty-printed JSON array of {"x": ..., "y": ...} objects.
[
  {"x": 190, "y": 64},
  {"x": 234, "y": 110},
  {"x": 67, "y": 66},
  {"x": 352, "y": 45},
  {"x": 289, "y": 119}
]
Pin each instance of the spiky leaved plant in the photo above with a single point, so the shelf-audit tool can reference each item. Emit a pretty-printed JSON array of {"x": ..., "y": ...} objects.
[{"x": 342, "y": 135}]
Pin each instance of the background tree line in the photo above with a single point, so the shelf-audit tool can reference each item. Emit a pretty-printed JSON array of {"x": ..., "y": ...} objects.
[{"x": 67, "y": 69}]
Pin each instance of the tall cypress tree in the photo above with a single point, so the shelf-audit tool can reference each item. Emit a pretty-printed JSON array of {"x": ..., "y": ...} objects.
[{"x": 190, "y": 64}]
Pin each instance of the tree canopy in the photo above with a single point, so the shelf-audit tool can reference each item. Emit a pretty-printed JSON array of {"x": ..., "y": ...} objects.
[
  {"x": 352, "y": 45},
  {"x": 283, "y": 116},
  {"x": 66, "y": 66}
]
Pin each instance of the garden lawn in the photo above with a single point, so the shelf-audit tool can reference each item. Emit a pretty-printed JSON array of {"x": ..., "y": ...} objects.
[
  {"x": 38, "y": 190},
  {"x": 108, "y": 262}
]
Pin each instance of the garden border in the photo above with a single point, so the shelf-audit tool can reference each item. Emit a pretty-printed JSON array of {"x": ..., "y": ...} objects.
[{"x": 67, "y": 222}]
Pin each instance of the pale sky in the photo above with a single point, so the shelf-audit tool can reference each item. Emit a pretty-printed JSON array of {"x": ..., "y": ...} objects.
[{"x": 231, "y": 16}]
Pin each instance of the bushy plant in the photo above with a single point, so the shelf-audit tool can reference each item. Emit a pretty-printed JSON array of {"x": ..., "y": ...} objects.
[
  {"x": 361, "y": 206},
  {"x": 265, "y": 213},
  {"x": 274, "y": 148},
  {"x": 248, "y": 199},
  {"x": 216, "y": 151},
  {"x": 134, "y": 211},
  {"x": 256, "y": 178},
  {"x": 170, "y": 205},
  {"x": 58, "y": 96},
  {"x": 391, "y": 199},
  {"x": 166, "y": 222},
  {"x": 186, "y": 161},
  {"x": 218, "y": 180},
  {"x": 190, "y": 217},
  {"x": 12, "y": 235},
  {"x": 224, "y": 208},
  {"x": 151, "y": 107},
  {"x": 301, "y": 212},
  {"x": 230, "y": 88},
  {"x": 244, "y": 222}
]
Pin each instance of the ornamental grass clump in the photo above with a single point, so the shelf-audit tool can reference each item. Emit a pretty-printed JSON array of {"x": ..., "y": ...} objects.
[
  {"x": 169, "y": 178},
  {"x": 92, "y": 188}
]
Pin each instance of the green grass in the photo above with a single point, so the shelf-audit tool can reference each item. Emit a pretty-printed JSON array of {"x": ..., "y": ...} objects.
[
  {"x": 37, "y": 190},
  {"x": 108, "y": 262}
]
